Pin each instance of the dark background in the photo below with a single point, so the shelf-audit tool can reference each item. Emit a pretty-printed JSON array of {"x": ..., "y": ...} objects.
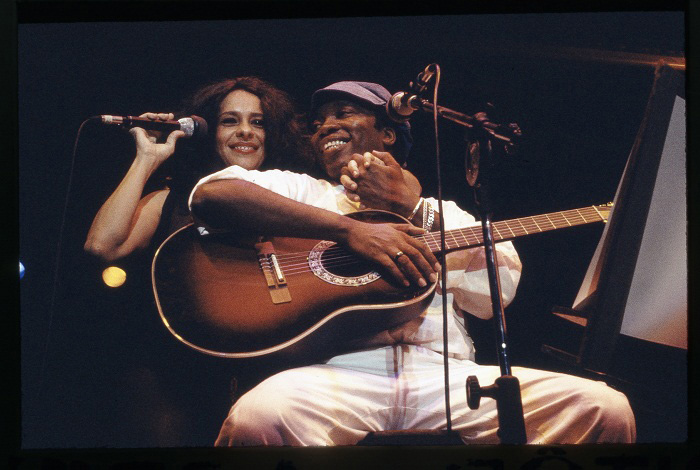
[{"x": 98, "y": 367}]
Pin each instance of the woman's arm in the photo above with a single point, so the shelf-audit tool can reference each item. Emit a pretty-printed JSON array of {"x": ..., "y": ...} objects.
[
  {"x": 126, "y": 222},
  {"x": 251, "y": 209}
]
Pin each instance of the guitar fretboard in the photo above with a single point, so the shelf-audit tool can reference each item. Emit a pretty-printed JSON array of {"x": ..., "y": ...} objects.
[{"x": 505, "y": 230}]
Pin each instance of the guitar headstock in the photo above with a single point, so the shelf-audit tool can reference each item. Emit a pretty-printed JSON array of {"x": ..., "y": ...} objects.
[{"x": 604, "y": 210}]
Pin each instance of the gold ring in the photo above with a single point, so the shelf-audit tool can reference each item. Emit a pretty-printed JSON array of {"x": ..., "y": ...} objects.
[{"x": 398, "y": 255}]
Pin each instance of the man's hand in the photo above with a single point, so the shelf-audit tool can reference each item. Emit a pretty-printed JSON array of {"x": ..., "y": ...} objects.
[
  {"x": 377, "y": 181},
  {"x": 406, "y": 258}
]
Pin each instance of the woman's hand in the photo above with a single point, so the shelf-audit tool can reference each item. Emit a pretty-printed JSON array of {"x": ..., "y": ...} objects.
[
  {"x": 377, "y": 181},
  {"x": 148, "y": 150},
  {"x": 127, "y": 220}
]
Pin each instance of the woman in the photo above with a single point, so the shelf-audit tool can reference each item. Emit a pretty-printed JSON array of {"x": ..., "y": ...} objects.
[{"x": 251, "y": 124}]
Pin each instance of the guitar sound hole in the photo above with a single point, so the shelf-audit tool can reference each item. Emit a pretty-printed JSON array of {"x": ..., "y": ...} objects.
[{"x": 339, "y": 262}]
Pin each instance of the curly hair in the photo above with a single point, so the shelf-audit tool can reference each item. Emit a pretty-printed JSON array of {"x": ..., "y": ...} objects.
[{"x": 286, "y": 147}]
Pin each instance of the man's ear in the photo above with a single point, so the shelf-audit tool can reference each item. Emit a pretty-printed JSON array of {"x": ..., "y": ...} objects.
[{"x": 388, "y": 136}]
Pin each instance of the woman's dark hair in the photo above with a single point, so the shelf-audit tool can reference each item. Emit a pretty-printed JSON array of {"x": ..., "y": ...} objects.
[{"x": 286, "y": 148}]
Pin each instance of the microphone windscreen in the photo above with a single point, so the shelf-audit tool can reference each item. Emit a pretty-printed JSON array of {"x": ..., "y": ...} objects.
[
  {"x": 397, "y": 110},
  {"x": 201, "y": 127}
]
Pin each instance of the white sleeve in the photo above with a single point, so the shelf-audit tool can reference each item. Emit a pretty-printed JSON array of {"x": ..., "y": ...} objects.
[
  {"x": 467, "y": 277},
  {"x": 295, "y": 186}
]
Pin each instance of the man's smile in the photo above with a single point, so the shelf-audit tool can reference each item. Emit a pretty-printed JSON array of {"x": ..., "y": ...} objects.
[{"x": 334, "y": 144}]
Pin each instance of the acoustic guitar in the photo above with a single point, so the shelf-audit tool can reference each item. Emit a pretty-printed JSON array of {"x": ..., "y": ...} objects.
[{"x": 293, "y": 297}]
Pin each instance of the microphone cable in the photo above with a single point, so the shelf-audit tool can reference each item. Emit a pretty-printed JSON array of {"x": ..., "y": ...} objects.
[
  {"x": 443, "y": 259},
  {"x": 57, "y": 263}
]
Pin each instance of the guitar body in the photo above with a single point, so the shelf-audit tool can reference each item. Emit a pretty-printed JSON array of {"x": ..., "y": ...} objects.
[
  {"x": 290, "y": 300},
  {"x": 225, "y": 297}
]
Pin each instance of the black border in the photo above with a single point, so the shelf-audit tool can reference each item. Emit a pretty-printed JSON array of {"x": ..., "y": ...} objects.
[{"x": 13, "y": 13}]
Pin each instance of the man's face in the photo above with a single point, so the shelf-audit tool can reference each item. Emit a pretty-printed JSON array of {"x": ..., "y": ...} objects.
[{"x": 342, "y": 128}]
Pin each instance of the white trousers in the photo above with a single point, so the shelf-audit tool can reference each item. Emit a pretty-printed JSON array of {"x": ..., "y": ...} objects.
[{"x": 402, "y": 387}]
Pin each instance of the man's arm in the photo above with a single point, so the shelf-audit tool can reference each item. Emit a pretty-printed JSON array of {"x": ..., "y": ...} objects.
[
  {"x": 467, "y": 279},
  {"x": 247, "y": 208},
  {"x": 377, "y": 181}
]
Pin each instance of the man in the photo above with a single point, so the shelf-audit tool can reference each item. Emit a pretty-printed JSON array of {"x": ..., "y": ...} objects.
[{"x": 394, "y": 381}]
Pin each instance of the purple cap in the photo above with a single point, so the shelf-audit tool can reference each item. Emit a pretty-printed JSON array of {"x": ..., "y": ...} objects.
[
  {"x": 366, "y": 93},
  {"x": 370, "y": 93}
]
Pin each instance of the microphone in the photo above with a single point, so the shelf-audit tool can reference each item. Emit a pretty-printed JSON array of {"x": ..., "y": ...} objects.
[
  {"x": 401, "y": 105},
  {"x": 192, "y": 126}
]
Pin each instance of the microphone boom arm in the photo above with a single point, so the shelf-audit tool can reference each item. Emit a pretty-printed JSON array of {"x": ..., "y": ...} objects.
[{"x": 507, "y": 134}]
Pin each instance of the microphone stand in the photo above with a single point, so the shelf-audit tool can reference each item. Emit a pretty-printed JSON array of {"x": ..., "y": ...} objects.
[
  {"x": 506, "y": 389},
  {"x": 481, "y": 136},
  {"x": 506, "y": 134}
]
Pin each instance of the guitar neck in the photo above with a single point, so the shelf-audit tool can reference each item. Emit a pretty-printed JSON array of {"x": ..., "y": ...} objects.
[{"x": 469, "y": 237}]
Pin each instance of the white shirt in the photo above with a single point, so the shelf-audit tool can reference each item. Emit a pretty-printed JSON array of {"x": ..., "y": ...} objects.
[{"x": 467, "y": 280}]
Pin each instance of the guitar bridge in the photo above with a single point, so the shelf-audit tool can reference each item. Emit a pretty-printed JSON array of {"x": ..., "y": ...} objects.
[{"x": 274, "y": 276}]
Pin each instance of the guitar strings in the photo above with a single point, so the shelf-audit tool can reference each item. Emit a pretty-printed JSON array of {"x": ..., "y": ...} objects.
[
  {"x": 337, "y": 256},
  {"x": 331, "y": 259}
]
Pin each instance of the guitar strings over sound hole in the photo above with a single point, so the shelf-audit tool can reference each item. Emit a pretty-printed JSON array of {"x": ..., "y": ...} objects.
[{"x": 337, "y": 266}]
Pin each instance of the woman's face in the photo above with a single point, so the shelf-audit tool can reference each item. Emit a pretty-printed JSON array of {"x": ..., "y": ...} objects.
[{"x": 240, "y": 134}]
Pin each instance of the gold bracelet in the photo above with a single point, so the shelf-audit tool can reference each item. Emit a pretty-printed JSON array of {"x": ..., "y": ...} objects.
[{"x": 415, "y": 209}]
